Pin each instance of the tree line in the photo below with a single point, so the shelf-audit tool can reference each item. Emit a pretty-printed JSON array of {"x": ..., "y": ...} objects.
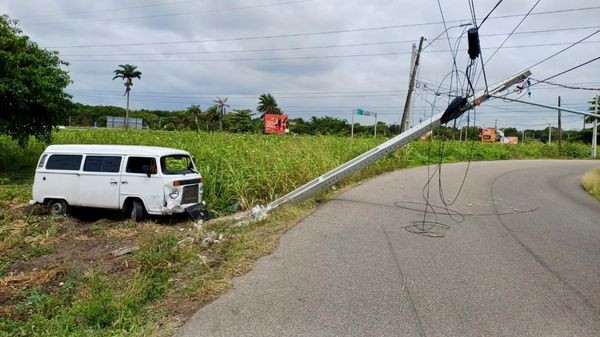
[{"x": 216, "y": 118}]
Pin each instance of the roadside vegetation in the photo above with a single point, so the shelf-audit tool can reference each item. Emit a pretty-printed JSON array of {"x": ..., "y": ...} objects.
[
  {"x": 58, "y": 276},
  {"x": 591, "y": 182}
]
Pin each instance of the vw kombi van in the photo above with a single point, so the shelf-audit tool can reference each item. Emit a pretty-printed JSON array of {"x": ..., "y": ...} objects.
[{"x": 138, "y": 179}]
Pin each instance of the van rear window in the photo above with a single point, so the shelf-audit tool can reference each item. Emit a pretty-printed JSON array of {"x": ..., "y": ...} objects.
[
  {"x": 110, "y": 164},
  {"x": 64, "y": 162},
  {"x": 42, "y": 160}
]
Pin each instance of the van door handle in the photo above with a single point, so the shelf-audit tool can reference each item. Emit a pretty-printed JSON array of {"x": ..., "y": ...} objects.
[
  {"x": 124, "y": 182},
  {"x": 114, "y": 182}
]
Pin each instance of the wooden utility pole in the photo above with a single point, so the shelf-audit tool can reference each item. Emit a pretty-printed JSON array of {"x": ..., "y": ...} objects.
[
  {"x": 411, "y": 85},
  {"x": 559, "y": 125}
]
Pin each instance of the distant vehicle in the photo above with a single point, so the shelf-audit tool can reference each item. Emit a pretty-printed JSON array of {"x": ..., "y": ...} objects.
[{"x": 138, "y": 179}]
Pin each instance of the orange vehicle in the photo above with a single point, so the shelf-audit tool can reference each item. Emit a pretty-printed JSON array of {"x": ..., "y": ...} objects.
[
  {"x": 277, "y": 124},
  {"x": 487, "y": 135}
]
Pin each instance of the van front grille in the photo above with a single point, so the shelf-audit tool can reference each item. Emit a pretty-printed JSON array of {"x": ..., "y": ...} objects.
[{"x": 190, "y": 195}]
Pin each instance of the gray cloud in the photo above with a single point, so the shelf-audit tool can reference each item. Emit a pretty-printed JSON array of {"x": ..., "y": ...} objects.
[{"x": 310, "y": 86}]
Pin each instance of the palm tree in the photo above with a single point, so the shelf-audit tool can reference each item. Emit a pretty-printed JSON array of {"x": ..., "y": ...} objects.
[
  {"x": 221, "y": 105},
  {"x": 127, "y": 72},
  {"x": 267, "y": 105},
  {"x": 194, "y": 110},
  {"x": 212, "y": 115}
]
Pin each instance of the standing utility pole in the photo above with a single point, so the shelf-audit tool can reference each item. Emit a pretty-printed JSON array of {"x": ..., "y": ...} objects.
[
  {"x": 375, "y": 133},
  {"x": 411, "y": 85},
  {"x": 352, "y": 127},
  {"x": 595, "y": 127},
  {"x": 559, "y": 125}
]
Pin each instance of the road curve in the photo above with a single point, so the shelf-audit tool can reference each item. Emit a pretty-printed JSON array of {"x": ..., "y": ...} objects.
[{"x": 519, "y": 255}]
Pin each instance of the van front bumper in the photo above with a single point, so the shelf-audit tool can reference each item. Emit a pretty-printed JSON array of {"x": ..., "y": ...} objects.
[{"x": 170, "y": 209}]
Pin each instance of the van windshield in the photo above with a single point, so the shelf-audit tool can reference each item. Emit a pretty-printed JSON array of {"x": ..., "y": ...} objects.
[{"x": 177, "y": 164}]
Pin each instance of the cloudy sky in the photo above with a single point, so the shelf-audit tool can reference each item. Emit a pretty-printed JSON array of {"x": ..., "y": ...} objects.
[{"x": 317, "y": 57}]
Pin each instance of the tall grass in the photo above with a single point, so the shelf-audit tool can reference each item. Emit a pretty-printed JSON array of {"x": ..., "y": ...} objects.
[
  {"x": 591, "y": 182},
  {"x": 246, "y": 169}
]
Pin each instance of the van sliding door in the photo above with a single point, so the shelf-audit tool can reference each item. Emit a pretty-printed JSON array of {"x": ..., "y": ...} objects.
[{"x": 99, "y": 182}]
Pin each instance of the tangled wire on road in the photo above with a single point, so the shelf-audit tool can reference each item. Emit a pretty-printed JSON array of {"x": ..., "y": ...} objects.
[{"x": 436, "y": 228}]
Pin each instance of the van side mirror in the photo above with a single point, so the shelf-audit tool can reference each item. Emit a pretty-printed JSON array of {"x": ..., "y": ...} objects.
[{"x": 146, "y": 169}]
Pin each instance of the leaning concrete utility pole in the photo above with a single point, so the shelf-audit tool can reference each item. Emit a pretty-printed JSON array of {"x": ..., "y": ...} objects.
[
  {"x": 330, "y": 178},
  {"x": 411, "y": 86}
]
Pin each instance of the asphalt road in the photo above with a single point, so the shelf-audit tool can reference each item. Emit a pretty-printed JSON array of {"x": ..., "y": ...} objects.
[{"x": 520, "y": 256}]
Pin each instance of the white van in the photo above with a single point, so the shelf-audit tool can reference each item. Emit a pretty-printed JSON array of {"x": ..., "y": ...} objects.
[{"x": 137, "y": 179}]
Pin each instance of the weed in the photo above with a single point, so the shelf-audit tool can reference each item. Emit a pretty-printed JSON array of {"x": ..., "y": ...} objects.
[
  {"x": 36, "y": 249},
  {"x": 98, "y": 229},
  {"x": 98, "y": 309},
  {"x": 591, "y": 182}
]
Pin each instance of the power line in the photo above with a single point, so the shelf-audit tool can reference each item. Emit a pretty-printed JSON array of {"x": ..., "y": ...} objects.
[
  {"x": 264, "y": 37},
  {"x": 113, "y": 9},
  {"x": 308, "y": 57},
  {"x": 253, "y": 96},
  {"x": 564, "y": 49},
  {"x": 511, "y": 33},
  {"x": 311, "y": 33},
  {"x": 569, "y": 70},
  {"x": 318, "y": 47},
  {"x": 249, "y": 50},
  {"x": 176, "y": 14},
  {"x": 566, "y": 86},
  {"x": 300, "y": 93},
  {"x": 304, "y": 47}
]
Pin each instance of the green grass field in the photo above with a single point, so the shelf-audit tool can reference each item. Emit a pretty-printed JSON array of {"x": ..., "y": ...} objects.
[{"x": 243, "y": 170}]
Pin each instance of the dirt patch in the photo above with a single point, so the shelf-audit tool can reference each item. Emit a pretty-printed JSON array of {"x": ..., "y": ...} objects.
[{"x": 77, "y": 244}]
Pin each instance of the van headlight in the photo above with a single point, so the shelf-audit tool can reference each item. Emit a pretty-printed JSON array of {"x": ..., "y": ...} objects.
[{"x": 174, "y": 194}]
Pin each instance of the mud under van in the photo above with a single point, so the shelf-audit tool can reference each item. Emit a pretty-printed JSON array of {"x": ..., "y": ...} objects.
[{"x": 137, "y": 179}]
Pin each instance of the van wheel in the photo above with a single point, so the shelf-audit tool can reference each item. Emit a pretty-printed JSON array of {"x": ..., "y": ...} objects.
[
  {"x": 57, "y": 207},
  {"x": 136, "y": 211}
]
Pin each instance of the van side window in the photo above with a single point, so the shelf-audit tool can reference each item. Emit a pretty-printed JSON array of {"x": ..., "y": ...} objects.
[
  {"x": 64, "y": 162},
  {"x": 110, "y": 164},
  {"x": 141, "y": 164}
]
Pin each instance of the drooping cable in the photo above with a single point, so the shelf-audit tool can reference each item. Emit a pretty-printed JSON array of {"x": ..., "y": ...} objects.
[{"x": 488, "y": 15}]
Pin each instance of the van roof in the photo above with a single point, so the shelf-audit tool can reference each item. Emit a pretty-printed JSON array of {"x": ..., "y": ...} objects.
[{"x": 114, "y": 149}]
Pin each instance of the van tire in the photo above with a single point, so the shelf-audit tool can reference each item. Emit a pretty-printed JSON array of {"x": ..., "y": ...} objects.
[
  {"x": 136, "y": 212},
  {"x": 57, "y": 207}
]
